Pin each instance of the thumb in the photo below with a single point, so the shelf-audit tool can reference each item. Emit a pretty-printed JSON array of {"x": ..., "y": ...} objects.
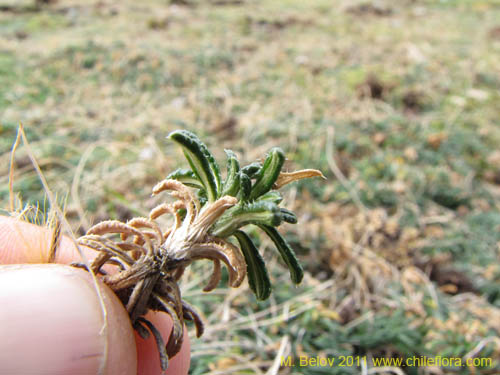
[{"x": 53, "y": 323}]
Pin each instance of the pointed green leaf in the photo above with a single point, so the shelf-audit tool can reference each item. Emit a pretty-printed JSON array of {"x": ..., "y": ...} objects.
[
  {"x": 245, "y": 187},
  {"x": 231, "y": 185},
  {"x": 272, "y": 196},
  {"x": 201, "y": 161},
  {"x": 258, "y": 278},
  {"x": 251, "y": 169},
  {"x": 286, "y": 252},
  {"x": 243, "y": 214},
  {"x": 288, "y": 216},
  {"x": 269, "y": 173},
  {"x": 187, "y": 177}
]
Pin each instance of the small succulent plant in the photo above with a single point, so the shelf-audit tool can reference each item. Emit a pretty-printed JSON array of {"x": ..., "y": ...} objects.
[{"x": 151, "y": 260}]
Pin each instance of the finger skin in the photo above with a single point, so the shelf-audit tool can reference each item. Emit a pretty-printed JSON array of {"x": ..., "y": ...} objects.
[
  {"x": 22, "y": 242},
  {"x": 56, "y": 324},
  {"x": 147, "y": 354}
]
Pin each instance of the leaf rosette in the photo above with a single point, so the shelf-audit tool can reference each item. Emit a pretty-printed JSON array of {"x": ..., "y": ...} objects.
[{"x": 255, "y": 186}]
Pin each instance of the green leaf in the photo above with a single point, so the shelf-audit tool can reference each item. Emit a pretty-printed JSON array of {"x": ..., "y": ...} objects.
[
  {"x": 187, "y": 177},
  {"x": 231, "y": 185},
  {"x": 286, "y": 252},
  {"x": 288, "y": 216},
  {"x": 258, "y": 278},
  {"x": 202, "y": 197},
  {"x": 243, "y": 214},
  {"x": 271, "y": 196},
  {"x": 251, "y": 169},
  {"x": 269, "y": 173},
  {"x": 201, "y": 161},
  {"x": 245, "y": 187}
]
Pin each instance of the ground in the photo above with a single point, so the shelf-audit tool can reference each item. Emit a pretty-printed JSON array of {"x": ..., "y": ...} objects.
[{"x": 395, "y": 102}]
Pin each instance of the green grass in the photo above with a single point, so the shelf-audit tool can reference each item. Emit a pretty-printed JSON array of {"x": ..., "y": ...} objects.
[{"x": 415, "y": 114}]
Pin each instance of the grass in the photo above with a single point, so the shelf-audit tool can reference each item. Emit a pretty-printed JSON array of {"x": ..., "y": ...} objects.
[{"x": 402, "y": 256}]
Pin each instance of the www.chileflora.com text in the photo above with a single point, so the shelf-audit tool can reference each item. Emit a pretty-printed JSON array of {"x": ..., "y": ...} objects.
[{"x": 357, "y": 361}]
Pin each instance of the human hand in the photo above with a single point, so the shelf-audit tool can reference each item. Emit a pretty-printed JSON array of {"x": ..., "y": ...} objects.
[{"x": 52, "y": 320}]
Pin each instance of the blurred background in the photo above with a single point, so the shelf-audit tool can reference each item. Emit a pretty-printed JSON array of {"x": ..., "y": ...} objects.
[{"x": 396, "y": 102}]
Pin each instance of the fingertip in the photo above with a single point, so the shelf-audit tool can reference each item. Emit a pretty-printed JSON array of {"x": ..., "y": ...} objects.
[{"x": 57, "y": 323}]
